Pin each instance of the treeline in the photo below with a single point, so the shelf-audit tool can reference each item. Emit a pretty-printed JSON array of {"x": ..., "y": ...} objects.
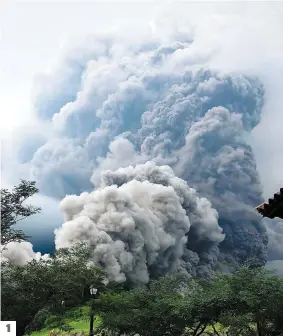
[{"x": 247, "y": 302}]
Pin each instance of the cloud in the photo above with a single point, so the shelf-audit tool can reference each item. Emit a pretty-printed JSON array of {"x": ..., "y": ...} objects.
[
  {"x": 20, "y": 253},
  {"x": 65, "y": 84}
]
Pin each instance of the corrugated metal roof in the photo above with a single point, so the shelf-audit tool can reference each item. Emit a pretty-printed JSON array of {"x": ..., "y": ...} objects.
[{"x": 274, "y": 207}]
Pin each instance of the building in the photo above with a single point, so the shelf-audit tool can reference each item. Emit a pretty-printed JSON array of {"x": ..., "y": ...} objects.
[{"x": 274, "y": 207}]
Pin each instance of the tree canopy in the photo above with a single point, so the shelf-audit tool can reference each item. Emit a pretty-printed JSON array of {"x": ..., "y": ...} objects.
[
  {"x": 14, "y": 209},
  {"x": 27, "y": 289},
  {"x": 248, "y": 302}
]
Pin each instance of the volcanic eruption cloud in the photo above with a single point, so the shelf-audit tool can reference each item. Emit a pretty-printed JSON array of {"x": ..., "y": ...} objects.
[
  {"x": 149, "y": 144},
  {"x": 133, "y": 118}
]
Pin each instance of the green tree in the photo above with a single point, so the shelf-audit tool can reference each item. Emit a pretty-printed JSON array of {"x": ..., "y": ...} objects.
[
  {"x": 259, "y": 294},
  {"x": 46, "y": 283},
  {"x": 14, "y": 209},
  {"x": 247, "y": 302},
  {"x": 153, "y": 310}
]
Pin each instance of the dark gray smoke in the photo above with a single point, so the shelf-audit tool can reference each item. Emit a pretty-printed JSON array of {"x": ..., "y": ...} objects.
[{"x": 219, "y": 163}]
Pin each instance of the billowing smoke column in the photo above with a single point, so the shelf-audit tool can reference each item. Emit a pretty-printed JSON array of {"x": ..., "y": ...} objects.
[
  {"x": 156, "y": 101},
  {"x": 221, "y": 166},
  {"x": 137, "y": 223}
]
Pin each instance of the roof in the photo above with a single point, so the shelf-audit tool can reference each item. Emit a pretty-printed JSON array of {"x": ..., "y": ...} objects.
[{"x": 274, "y": 207}]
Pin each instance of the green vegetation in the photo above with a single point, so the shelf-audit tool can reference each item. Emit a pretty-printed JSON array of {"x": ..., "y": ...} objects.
[
  {"x": 247, "y": 302},
  {"x": 39, "y": 287},
  {"x": 80, "y": 323},
  {"x": 76, "y": 325},
  {"x": 14, "y": 209}
]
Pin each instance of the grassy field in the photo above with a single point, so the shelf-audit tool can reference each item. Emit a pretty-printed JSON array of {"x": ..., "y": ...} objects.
[
  {"x": 79, "y": 323},
  {"x": 82, "y": 324}
]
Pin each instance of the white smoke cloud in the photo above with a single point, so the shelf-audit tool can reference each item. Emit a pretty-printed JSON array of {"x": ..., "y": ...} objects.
[
  {"x": 20, "y": 253},
  {"x": 137, "y": 223},
  {"x": 121, "y": 153}
]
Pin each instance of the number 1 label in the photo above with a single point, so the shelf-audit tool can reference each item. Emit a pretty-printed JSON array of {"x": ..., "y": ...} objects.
[{"x": 8, "y": 328}]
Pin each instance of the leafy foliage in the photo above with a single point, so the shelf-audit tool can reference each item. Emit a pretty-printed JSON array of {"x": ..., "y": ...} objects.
[
  {"x": 46, "y": 283},
  {"x": 38, "y": 321},
  {"x": 245, "y": 303},
  {"x": 147, "y": 311},
  {"x": 248, "y": 302},
  {"x": 259, "y": 299},
  {"x": 14, "y": 209},
  {"x": 66, "y": 327}
]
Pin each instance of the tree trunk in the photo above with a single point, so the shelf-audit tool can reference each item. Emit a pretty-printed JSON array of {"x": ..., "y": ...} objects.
[{"x": 258, "y": 329}]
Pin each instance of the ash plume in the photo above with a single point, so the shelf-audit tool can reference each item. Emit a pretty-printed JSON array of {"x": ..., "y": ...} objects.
[
  {"x": 139, "y": 222},
  {"x": 153, "y": 129}
]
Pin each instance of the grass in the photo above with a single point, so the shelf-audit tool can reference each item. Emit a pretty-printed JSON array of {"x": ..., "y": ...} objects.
[{"x": 79, "y": 323}]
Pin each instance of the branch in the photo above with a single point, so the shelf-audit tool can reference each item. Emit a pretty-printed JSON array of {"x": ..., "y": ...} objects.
[
  {"x": 252, "y": 330},
  {"x": 196, "y": 333},
  {"x": 197, "y": 328},
  {"x": 214, "y": 329},
  {"x": 239, "y": 332}
]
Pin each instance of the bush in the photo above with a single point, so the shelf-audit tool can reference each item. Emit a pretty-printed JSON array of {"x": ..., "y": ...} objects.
[
  {"x": 39, "y": 321},
  {"x": 66, "y": 327},
  {"x": 53, "y": 321},
  {"x": 77, "y": 313}
]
